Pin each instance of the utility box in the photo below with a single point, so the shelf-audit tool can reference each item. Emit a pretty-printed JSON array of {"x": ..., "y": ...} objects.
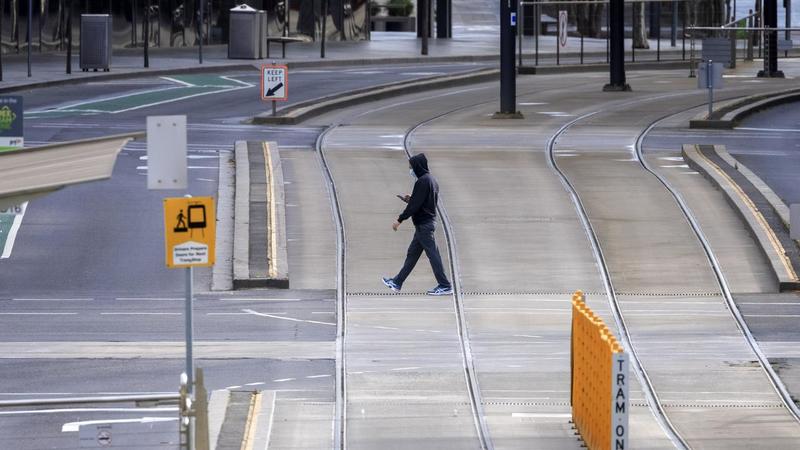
[
  {"x": 95, "y": 42},
  {"x": 248, "y": 33}
]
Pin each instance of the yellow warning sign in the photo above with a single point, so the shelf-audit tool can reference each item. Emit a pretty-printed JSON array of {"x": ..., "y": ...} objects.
[{"x": 189, "y": 231}]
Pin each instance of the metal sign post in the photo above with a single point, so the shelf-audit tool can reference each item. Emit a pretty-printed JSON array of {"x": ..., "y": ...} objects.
[
  {"x": 274, "y": 84},
  {"x": 189, "y": 234},
  {"x": 709, "y": 77}
]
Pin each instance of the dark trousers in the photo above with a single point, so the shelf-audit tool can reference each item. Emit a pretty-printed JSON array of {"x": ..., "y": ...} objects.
[{"x": 423, "y": 240}]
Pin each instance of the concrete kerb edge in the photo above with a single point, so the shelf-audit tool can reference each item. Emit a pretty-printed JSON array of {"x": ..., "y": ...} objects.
[
  {"x": 376, "y": 93},
  {"x": 217, "y": 406},
  {"x": 241, "y": 229},
  {"x": 600, "y": 67},
  {"x": 222, "y": 272},
  {"x": 277, "y": 203},
  {"x": 696, "y": 161},
  {"x": 732, "y": 112},
  {"x": 777, "y": 205}
]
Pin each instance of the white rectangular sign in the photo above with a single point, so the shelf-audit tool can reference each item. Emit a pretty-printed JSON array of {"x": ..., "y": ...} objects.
[
  {"x": 274, "y": 82},
  {"x": 794, "y": 221},
  {"x": 166, "y": 152},
  {"x": 619, "y": 401}
]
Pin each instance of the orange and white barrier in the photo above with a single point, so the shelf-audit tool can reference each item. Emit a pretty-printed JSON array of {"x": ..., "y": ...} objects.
[{"x": 599, "y": 385}]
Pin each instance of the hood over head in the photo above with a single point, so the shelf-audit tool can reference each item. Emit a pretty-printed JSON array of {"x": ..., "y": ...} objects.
[{"x": 419, "y": 163}]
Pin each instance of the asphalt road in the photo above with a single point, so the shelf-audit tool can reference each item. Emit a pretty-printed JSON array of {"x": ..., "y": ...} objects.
[
  {"x": 86, "y": 285},
  {"x": 87, "y": 304}
]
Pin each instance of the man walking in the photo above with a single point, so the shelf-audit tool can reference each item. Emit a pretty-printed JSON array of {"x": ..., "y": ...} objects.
[{"x": 422, "y": 211}]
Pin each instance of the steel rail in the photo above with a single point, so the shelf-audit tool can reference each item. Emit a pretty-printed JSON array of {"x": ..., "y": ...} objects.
[
  {"x": 468, "y": 362},
  {"x": 644, "y": 380},
  {"x": 340, "y": 417},
  {"x": 775, "y": 380},
  {"x": 88, "y": 400}
]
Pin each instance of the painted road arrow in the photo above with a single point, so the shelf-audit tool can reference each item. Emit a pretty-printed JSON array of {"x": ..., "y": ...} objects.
[{"x": 271, "y": 92}]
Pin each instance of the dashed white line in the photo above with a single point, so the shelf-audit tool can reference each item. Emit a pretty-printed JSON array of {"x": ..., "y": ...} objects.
[
  {"x": 12, "y": 232},
  {"x": 281, "y": 380},
  {"x": 318, "y": 376},
  {"x": 405, "y": 368},
  {"x": 254, "y": 384},
  {"x": 292, "y": 319}
]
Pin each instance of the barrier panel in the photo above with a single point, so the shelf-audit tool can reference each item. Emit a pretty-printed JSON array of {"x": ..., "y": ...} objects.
[{"x": 599, "y": 384}]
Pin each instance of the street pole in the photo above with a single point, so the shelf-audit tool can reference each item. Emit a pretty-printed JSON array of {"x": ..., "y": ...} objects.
[
  {"x": 788, "y": 5},
  {"x": 324, "y": 22},
  {"x": 425, "y": 12},
  {"x": 673, "y": 33},
  {"x": 770, "y": 12},
  {"x": 69, "y": 38},
  {"x": 616, "y": 21},
  {"x": 147, "y": 35},
  {"x": 508, "y": 71},
  {"x": 30, "y": 26},
  {"x": 200, "y": 29},
  {"x": 189, "y": 327}
]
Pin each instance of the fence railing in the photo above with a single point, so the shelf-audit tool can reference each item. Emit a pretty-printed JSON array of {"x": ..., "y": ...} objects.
[{"x": 599, "y": 385}]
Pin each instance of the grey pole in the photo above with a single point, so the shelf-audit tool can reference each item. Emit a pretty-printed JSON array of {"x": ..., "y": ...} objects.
[
  {"x": 710, "y": 86},
  {"x": 673, "y": 34},
  {"x": 69, "y": 38},
  {"x": 425, "y": 12},
  {"x": 788, "y": 5},
  {"x": 324, "y": 22},
  {"x": 200, "y": 29},
  {"x": 189, "y": 328},
  {"x": 147, "y": 35},
  {"x": 508, "y": 80},
  {"x": 770, "y": 12},
  {"x": 30, "y": 25}
]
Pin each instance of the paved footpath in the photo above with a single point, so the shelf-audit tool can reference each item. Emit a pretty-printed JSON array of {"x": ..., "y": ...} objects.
[{"x": 383, "y": 48}]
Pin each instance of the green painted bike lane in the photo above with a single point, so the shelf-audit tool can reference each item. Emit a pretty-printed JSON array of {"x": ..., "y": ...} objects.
[{"x": 184, "y": 87}]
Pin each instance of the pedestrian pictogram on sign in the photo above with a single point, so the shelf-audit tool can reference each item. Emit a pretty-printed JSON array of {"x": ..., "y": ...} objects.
[
  {"x": 274, "y": 82},
  {"x": 190, "y": 231},
  {"x": 562, "y": 28}
]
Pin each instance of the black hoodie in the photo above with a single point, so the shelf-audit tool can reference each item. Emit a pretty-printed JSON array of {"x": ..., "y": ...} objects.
[{"x": 422, "y": 204}]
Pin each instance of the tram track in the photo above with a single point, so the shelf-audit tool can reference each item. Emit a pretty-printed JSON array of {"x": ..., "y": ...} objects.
[
  {"x": 612, "y": 294},
  {"x": 476, "y": 403}
]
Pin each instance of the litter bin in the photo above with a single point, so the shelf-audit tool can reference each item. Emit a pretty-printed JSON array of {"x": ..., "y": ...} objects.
[
  {"x": 248, "y": 33},
  {"x": 95, "y": 42}
]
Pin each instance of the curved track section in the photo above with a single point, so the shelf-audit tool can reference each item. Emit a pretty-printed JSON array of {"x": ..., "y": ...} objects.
[
  {"x": 644, "y": 380},
  {"x": 774, "y": 378}
]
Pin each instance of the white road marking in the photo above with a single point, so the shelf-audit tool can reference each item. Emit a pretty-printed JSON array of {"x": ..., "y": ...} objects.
[
  {"x": 233, "y": 387},
  {"x": 541, "y": 415},
  {"x": 174, "y": 80},
  {"x": 281, "y": 380},
  {"x": 260, "y": 299},
  {"x": 38, "y": 314},
  {"x": 318, "y": 376},
  {"x": 73, "y": 427},
  {"x": 148, "y": 298},
  {"x": 228, "y": 314},
  {"x": 12, "y": 232},
  {"x": 787, "y": 316},
  {"x": 527, "y": 336},
  {"x": 774, "y": 130},
  {"x": 769, "y": 303},
  {"x": 405, "y": 368},
  {"x": 140, "y": 314},
  {"x": 292, "y": 319},
  {"x": 52, "y": 299},
  {"x": 69, "y": 410},
  {"x": 254, "y": 384},
  {"x": 188, "y": 167},
  {"x": 271, "y": 420}
]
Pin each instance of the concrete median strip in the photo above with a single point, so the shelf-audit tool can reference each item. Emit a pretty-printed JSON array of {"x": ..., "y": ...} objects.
[
  {"x": 769, "y": 240},
  {"x": 728, "y": 114},
  {"x": 282, "y": 350},
  {"x": 299, "y": 112},
  {"x": 259, "y": 250}
]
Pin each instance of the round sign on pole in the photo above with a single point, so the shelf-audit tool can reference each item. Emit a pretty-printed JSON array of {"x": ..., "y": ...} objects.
[{"x": 562, "y": 29}]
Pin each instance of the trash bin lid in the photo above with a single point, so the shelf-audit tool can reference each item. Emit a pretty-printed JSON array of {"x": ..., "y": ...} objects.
[{"x": 245, "y": 8}]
